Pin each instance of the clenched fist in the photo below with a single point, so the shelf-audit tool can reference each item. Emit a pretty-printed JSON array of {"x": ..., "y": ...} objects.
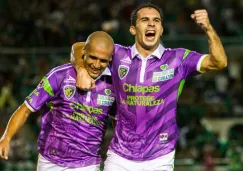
[{"x": 201, "y": 18}]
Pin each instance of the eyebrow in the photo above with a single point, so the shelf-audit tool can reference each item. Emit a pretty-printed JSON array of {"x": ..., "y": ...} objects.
[
  {"x": 155, "y": 18},
  {"x": 92, "y": 56},
  {"x": 103, "y": 60}
]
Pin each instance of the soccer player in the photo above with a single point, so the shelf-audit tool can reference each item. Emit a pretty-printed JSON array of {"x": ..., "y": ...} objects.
[
  {"x": 74, "y": 121},
  {"x": 148, "y": 79}
]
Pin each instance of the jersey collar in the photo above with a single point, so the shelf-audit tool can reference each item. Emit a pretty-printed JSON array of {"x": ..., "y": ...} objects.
[
  {"x": 105, "y": 72},
  {"x": 157, "y": 53}
]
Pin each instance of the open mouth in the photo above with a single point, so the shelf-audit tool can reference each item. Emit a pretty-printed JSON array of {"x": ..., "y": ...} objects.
[{"x": 150, "y": 34}]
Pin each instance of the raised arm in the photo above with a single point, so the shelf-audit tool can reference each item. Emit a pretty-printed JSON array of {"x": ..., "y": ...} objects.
[
  {"x": 217, "y": 58},
  {"x": 15, "y": 123},
  {"x": 84, "y": 81}
]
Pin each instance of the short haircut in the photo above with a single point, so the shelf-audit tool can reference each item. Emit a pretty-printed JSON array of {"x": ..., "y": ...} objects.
[{"x": 145, "y": 5}]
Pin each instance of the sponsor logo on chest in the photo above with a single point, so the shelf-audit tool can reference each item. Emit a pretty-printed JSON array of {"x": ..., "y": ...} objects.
[
  {"x": 163, "y": 75},
  {"x": 105, "y": 100}
]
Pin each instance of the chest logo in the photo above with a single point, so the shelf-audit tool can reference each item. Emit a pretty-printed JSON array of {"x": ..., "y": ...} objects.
[
  {"x": 163, "y": 75},
  {"x": 107, "y": 91},
  {"x": 70, "y": 80},
  {"x": 69, "y": 91},
  {"x": 126, "y": 60},
  {"x": 164, "y": 67},
  {"x": 123, "y": 71},
  {"x": 105, "y": 100}
]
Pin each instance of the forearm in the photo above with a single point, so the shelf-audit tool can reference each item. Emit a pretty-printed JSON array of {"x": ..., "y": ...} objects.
[
  {"x": 76, "y": 55},
  {"x": 217, "y": 54},
  {"x": 16, "y": 121}
]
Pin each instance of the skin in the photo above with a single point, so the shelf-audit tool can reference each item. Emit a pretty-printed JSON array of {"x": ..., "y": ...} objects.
[
  {"x": 96, "y": 54},
  {"x": 148, "y": 19}
]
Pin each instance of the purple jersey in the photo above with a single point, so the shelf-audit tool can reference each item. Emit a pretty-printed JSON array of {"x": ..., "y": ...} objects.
[
  {"x": 73, "y": 121},
  {"x": 147, "y": 90}
]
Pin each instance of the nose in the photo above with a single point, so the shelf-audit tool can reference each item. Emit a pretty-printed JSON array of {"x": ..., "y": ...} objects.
[
  {"x": 97, "y": 64},
  {"x": 151, "y": 23}
]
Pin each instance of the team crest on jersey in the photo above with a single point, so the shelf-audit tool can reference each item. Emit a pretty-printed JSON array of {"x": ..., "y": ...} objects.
[
  {"x": 123, "y": 71},
  {"x": 163, "y": 75},
  {"x": 69, "y": 91}
]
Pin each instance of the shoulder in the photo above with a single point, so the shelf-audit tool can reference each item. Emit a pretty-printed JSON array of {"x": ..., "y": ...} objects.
[
  {"x": 120, "y": 47},
  {"x": 60, "y": 70},
  {"x": 176, "y": 52}
]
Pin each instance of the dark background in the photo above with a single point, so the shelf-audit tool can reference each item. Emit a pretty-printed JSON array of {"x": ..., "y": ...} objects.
[{"x": 37, "y": 35}]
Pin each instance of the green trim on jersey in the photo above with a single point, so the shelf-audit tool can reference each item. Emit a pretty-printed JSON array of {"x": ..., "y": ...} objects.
[
  {"x": 180, "y": 88},
  {"x": 47, "y": 87},
  {"x": 186, "y": 53}
]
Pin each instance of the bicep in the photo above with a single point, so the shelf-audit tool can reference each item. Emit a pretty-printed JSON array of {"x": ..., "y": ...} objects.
[{"x": 207, "y": 64}]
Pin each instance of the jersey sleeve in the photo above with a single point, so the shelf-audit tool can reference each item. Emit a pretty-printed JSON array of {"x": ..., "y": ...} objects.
[
  {"x": 191, "y": 63},
  {"x": 44, "y": 92}
]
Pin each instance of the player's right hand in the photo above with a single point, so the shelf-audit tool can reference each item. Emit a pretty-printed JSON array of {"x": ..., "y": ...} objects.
[
  {"x": 84, "y": 81},
  {"x": 4, "y": 149}
]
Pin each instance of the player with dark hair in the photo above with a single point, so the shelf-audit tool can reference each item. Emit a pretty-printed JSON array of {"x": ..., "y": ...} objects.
[
  {"x": 148, "y": 80},
  {"x": 73, "y": 121}
]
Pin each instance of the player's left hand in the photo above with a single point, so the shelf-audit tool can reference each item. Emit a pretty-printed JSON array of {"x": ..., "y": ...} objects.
[{"x": 201, "y": 18}]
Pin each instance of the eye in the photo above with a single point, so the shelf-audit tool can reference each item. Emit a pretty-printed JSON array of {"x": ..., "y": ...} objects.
[
  {"x": 92, "y": 57},
  {"x": 104, "y": 61},
  {"x": 144, "y": 19}
]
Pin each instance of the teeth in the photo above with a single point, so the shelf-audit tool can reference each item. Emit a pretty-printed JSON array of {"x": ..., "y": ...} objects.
[{"x": 150, "y": 32}]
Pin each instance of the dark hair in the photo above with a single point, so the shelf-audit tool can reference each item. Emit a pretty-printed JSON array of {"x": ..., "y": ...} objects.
[{"x": 144, "y": 5}]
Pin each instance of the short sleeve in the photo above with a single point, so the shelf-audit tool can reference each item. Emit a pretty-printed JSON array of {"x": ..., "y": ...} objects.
[
  {"x": 43, "y": 93},
  {"x": 191, "y": 63}
]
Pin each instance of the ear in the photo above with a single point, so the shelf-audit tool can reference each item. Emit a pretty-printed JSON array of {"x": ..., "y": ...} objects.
[
  {"x": 83, "y": 52},
  {"x": 162, "y": 30},
  {"x": 132, "y": 30}
]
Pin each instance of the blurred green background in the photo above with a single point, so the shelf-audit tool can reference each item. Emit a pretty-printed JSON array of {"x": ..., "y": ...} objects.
[{"x": 37, "y": 35}]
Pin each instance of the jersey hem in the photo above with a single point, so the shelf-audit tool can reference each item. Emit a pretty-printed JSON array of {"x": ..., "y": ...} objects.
[
  {"x": 71, "y": 165},
  {"x": 142, "y": 159}
]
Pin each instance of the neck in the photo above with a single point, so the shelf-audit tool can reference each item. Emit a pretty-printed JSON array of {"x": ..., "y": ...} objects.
[{"x": 145, "y": 52}]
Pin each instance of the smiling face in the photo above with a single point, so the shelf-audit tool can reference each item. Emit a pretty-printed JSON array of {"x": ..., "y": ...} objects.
[
  {"x": 148, "y": 28},
  {"x": 97, "y": 58}
]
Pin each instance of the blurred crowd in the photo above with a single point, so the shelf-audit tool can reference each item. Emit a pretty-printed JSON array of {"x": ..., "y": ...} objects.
[
  {"x": 53, "y": 23},
  {"x": 59, "y": 23}
]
